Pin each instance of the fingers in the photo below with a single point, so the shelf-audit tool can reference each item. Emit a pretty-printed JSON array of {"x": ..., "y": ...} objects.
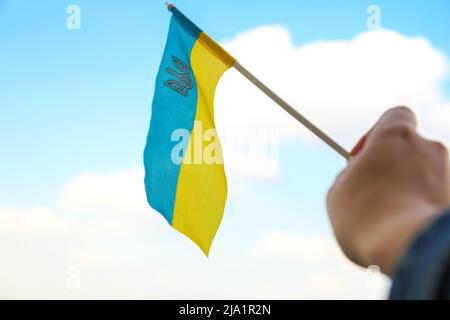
[
  {"x": 396, "y": 121},
  {"x": 336, "y": 180},
  {"x": 441, "y": 149},
  {"x": 358, "y": 147},
  {"x": 399, "y": 117},
  {"x": 436, "y": 151}
]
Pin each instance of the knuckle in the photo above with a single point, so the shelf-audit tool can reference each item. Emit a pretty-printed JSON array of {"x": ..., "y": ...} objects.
[
  {"x": 401, "y": 113},
  {"x": 400, "y": 131},
  {"x": 402, "y": 109},
  {"x": 441, "y": 149}
]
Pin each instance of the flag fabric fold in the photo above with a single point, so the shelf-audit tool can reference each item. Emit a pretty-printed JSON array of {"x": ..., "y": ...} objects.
[{"x": 187, "y": 189}]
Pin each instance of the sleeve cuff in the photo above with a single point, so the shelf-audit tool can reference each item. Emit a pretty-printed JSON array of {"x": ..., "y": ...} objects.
[{"x": 423, "y": 269}]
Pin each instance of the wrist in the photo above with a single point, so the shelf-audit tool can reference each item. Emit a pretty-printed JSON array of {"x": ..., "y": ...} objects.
[{"x": 393, "y": 235}]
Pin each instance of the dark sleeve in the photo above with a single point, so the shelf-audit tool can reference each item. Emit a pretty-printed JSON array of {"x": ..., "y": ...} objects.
[{"x": 424, "y": 270}]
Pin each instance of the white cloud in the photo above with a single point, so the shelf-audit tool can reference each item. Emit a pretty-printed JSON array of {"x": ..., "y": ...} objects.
[
  {"x": 323, "y": 270},
  {"x": 440, "y": 118},
  {"x": 104, "y": 230},
  {"x": 342, "y": 86},
  {"x": 115, "y": 202},
  {"x": 108, "y": 193},
  {"x": 286, "y": 245},
  {"x": 32, "y": 221}
]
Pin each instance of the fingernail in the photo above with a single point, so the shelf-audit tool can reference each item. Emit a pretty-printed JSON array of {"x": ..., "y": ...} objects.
[{"x": 358, "y": 147}]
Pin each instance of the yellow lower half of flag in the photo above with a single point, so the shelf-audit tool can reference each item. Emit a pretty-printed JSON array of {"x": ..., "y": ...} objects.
[{"x": 202, "y": 188}]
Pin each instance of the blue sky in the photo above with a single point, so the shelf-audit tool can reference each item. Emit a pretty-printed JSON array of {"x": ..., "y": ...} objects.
[
  {"x": 76, "y": 101},
  {"x": 79, "y": 100}
]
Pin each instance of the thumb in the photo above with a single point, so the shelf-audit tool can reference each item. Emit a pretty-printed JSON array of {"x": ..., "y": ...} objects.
[{"x": 395, "y": 117}]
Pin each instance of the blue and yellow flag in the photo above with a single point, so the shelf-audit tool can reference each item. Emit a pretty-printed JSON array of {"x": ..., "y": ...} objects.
[{"x": 182, "y": 182}]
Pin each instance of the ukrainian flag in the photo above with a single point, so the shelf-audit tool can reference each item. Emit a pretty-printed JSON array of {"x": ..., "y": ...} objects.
[{"x": 190, "y": 194}]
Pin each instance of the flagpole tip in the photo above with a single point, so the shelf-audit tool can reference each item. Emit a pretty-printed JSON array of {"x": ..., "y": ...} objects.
[{"x": 170, "y": 6}]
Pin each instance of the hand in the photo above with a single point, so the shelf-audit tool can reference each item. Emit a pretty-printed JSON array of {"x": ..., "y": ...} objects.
[{"x": 389, "y": 191}]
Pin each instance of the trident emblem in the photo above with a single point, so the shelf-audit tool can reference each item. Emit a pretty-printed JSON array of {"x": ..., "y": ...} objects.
[{"x": 184, "y": 82}]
